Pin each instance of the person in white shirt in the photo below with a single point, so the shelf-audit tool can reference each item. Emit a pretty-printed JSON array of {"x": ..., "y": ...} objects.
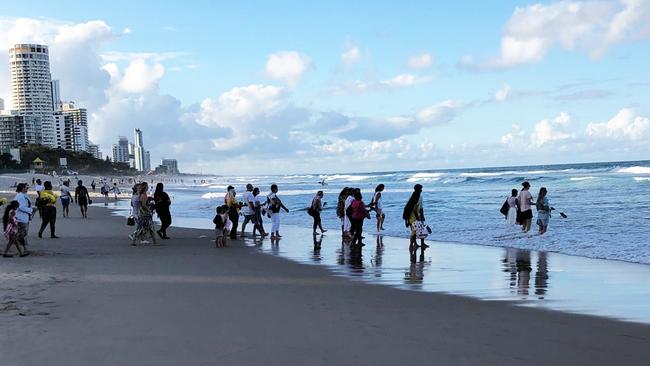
[
  {"x": 23, "y": 213},
  {"x": 275, "y": 204},
  {"x": 525, "y": 201},
  {"x": 248, "y": 209},
  {"x": 378, "y": 206}
]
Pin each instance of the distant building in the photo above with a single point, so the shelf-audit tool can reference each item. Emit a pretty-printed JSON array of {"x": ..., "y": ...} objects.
[
  {"x": 56, "y": 95},
  {"x": 93, "y": 149},
  {"x": 121, "y": 150},
  {"x": 2, "y": 105},
  {"x": 141, "y": 157},
  {"x": 31, "y": 89},
  {"x": 146, "y": 163},
  {"x": 171, "y": 166},
  {"x": 59, "y": 129},
  {"x": 16, "y": 131},
  {"x": 76, "y": 127}
]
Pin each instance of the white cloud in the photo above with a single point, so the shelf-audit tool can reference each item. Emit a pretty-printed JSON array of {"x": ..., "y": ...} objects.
[
  {"x": 351, "y": 54},
  {"x": 626, "y": 124},
  {"x": 405, "y": 80},
  {"x": 442, "y": 112},
  {"x": 140, "y": 77},
  {"x": 396, "y": 82},
  {"x": 551, "y": 131},
  {"x": 421, "y": 61},
  {"x": 288, "y": 66},
  {"x": 504, "y": 93},
  {"x": 588, "y": 26}
]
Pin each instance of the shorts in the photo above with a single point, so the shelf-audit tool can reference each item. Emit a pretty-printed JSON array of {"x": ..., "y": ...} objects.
[
  {"x": 218, "y": 233},
  {"x": 526, "y": 215},
  {"x": 250, "y": 218},
  {"x": 379, "y": 212},
  {"x": 65, "y": 201}
]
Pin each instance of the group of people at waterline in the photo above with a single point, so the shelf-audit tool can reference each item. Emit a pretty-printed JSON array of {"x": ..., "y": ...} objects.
[{"x": 351, "y": 210}]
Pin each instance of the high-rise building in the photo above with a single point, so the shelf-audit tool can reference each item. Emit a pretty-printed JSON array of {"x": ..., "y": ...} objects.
[
  {"x": 146, "y": 163},
  {"x": 171, "y": 166},
  {"x": 2, "y": 105},
  {"x": 56, "y": 95},
  {"x": 76, "y": 127},
  {"x": 93, "y": 149},
  {"x": 31, "y": 89},
  {"x": 121, "y": 152},
  {"x": 16, "y": 131},
  {"x": 138, "y": 151}
]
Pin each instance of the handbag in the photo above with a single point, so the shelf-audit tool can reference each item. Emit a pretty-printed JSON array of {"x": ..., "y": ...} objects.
[
  {"x": 130, "y": 221},
  {"x": 505, "y": 208},
  {"x": 422, "y": 230}
]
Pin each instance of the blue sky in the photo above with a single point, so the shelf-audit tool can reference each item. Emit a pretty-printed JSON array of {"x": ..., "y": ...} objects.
[{"x": 498, "y": 83}]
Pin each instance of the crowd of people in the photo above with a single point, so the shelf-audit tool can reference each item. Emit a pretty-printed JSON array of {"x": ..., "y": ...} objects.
[{"x": 351, "y": 210}]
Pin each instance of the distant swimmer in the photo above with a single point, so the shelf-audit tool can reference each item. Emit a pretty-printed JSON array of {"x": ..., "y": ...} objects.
[{"x": 322, "y": 182}]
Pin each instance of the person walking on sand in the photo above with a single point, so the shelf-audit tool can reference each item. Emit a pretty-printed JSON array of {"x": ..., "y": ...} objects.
[
  {"x": 105, "y": 190},
  {"x": 92, "y": 185},
  {"x": 525, "y": 200},
  {"x": 314, "y": 211},
  {"x": 357, "y": 214},
  {"x": 66, "y": 197},
  {"x": 233, "y": 210},
  {"x": 543, "y": 210},
  {"x": 11, "y": 231},
  {"x": 258, "y": 204},
  {"x": 162, "y": 200},
  {"x": 82, "y": 198},
  {"x": 275, "y": 205},
  {"x": 145, "y": 226},
  {"x": 24, "y": 213},
  {"x": 377, "y": 205},
  {"x": 511, "y": 218},
  {"x": 47, "y": 201},
  {"x": 248, "y": 209},
  {"x": 116, "y": 191},
  {"x": 413, "y": 213}
]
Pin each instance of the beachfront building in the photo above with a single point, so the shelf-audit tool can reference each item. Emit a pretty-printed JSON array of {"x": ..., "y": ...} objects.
[
  {"x": 2, "y": 105},
  {"x": 75, "y": 127},
  {"x": 121, "y": 151},
  {"x": 171, "y": 166},
  {"x": 56, "y": 95},
  {"x": 16, "y": 131},
  {"x": 31, "y": 90},
  {"x": 141, "y": 157},
  {"x": 93, "y": 149}
]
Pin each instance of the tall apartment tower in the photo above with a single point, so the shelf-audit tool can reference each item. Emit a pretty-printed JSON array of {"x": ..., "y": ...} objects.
[
  {"x": 138, "y": 151},
  {"x": 56, "y": 95},
  {"x": 31, "y": 89},
  {"x": 121, "y": 150},
  {"x": 76, "y": 127}
]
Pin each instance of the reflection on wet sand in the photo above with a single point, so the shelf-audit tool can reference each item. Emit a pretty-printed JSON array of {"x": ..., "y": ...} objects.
[
  {"x": 415, "y": 275},
  {"x": 318, "y": 241},
  {"x": 518, "y": 264}
]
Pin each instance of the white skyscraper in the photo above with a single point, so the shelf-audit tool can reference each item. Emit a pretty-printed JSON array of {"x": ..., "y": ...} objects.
[
  {"x": 2, "y": 105},
  {"x": 138, "y": 151},
  {"x": 31, "y": 89},
  {"x": 76, "y": 127},
  {"x": 121, "y": 150},
  {"x": 56, "y": 95}
]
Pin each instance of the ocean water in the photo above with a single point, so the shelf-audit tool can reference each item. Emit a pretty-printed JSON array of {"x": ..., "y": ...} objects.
[{"x": 607, "y": 204}]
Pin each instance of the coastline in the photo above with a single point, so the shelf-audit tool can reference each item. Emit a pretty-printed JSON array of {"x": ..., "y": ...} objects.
[{"x": 90, "y": 298}]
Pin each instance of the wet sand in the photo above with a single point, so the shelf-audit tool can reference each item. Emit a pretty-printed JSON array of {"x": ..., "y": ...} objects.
[{"x": 91, "y": 299}]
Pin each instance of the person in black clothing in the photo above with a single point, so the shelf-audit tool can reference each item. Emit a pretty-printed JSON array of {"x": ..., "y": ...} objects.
[
  {"x": 82, "y": 198},
  {"x": 162, "y": 209}
]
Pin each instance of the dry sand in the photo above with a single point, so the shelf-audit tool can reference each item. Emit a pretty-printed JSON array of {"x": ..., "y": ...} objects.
[{"x": 91, "y": 299}]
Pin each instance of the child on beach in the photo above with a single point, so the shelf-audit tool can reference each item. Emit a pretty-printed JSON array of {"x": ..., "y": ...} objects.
[
  {"x": 11, "y": 230},
  {"x": 227, "y": 224},
  {"x": 219, "y": 227}
]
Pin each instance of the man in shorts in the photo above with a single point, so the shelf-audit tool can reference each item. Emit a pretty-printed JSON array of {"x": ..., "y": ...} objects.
[
  {"x": 248, "y": 210},
  {"x": 525, "y": 207}
]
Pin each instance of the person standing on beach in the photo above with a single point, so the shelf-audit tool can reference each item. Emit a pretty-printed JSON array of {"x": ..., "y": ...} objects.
[
  {"x": 357, "y": 214},
  {"x": 248, "y": 210},
  {"x": 10, "y": 225},
  {"x": 525, "y": 201},
  {"x": 414, "y": 212},
  {"x": 23, "y": 213},
  {"x": 543, "y": 211},
  {"x": 38, "y": 188},
  {"x": 162, "y": 200},
  {"x": 340, "y": 208},
  {"x": 82, "y": 198},
  {"x": 218, "y": 227},
  {"x": 377, "y": 205},
  {"x": 258, "y": 204},
  {"x": 511, "y": 218},
  {"x": 314, "y": 211},
  {"x": 116, "y": 191},
  {"x": 105, "y": 190},
  {"x": 65, "y": 198},
  {"x": 47, "y": 205},
  {"x": 275, "y": 205},
  {"x": 347, "y": 224},
  {"x": 145, "y": 217},
  {"x": 92, "y": 185},
  {"x": 233, "y": 210}
]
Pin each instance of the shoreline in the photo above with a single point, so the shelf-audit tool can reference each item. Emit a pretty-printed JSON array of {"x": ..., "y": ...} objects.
[{"x": 91, "y": 298}]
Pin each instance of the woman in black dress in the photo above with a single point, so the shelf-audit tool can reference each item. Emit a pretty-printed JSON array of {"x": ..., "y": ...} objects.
[
  {"x": 162, "y": 209},
  {"x": 82, "y": 198}
]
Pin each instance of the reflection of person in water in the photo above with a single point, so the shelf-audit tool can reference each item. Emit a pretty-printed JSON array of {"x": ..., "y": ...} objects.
[
  {"x": 356, "y": 258},
  {"x": 318, "y": 240},
  {"x": 541, "y": 276},
  {"x": 380, "y": 251},
  {"x": 523, "y": 271}
]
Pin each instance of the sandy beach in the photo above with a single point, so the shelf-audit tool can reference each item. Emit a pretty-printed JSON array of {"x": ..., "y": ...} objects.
[{"x": 91, "y": 299}]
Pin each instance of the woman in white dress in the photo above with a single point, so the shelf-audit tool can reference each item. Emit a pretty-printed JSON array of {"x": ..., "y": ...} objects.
[{"x": 512, "y": 210}]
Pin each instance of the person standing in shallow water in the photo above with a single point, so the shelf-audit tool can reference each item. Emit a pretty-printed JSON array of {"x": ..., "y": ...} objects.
[
  {"x": 357, "y": 215},
  {"x": 525, "y": 201},
  {"x": 314, "y": 211},
  {"x": 275, "y": 205},
  {"x": 511, "y": 219},
  {"x": 233, "y": 210},
  {"x": 82, "y": 198},
  {"x": 47, "y": 200},
  {"x": 377, "y": 205},
  {"x": 543, "y": 211},
  {"x": 414, "y": 212},
  {"x": 162, "y": 200}
]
